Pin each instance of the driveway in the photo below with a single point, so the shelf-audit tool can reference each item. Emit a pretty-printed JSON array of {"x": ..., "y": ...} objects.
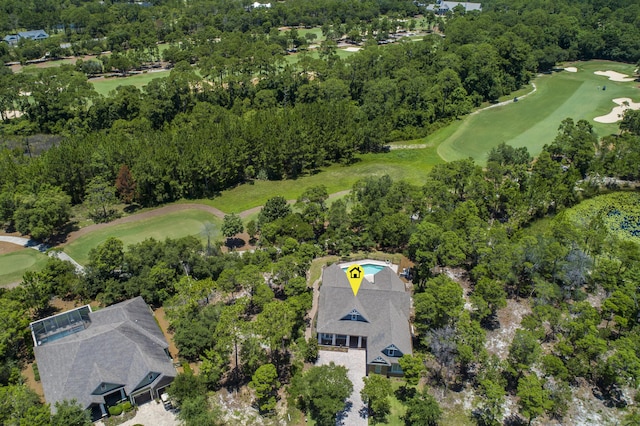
[
  {"x": 356, "y": 362},
  {"x": 150, "y": 414}
]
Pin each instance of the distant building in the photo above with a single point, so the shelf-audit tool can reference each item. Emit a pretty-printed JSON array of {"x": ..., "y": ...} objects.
[
  {"x": 442, "y": 7},
  {"x": 257, "y": 5},
  {"x": 13, "y": 39},
  {"x": 101, "y": 358}
]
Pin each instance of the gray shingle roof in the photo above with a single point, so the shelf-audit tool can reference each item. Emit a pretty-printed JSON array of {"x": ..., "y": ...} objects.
[
  {"x": 384, "y": 304},
  {"x": 449, "y": 5},
  {"x": 122, "y": 346}
]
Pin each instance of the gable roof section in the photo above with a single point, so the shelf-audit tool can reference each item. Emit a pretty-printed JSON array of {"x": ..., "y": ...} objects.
[
  {"x": 385, "y": 304},
  {"x": 33, "y": 34},
  {"x": 121, "y": 346}
]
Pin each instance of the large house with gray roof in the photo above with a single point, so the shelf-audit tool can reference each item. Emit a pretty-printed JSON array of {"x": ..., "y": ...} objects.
[
  {"x": 376, "y": 320},
  {"x": 102, "y": 357},
  {"x": 13, "y": 39}
]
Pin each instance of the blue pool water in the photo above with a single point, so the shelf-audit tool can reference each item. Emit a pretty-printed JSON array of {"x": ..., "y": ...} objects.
[{"x": 369, "y": 269}]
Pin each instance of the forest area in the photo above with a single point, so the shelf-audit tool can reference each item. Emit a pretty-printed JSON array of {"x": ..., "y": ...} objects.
[{"x": 557, "y": 233}]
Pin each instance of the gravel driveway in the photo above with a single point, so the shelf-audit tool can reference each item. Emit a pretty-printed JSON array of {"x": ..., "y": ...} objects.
[{"x": 356, "y": 362}]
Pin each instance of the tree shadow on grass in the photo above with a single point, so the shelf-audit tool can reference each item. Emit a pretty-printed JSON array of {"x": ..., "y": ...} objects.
[{"x": 404, "y": 393}]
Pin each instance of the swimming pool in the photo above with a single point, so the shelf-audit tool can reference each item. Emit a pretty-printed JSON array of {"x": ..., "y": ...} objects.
[{"x": 369, "y": 269}]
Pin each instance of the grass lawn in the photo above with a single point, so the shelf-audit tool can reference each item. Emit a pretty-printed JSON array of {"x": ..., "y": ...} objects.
[
  {"x": 397, "y": 407},
  {"x": 412, "y": 165},
  {"x": 106, "y": 85},
  {"x": 14, "y": 265},
  {"x": 533, "y": 121},
  {"x": 171, "y": 225}
]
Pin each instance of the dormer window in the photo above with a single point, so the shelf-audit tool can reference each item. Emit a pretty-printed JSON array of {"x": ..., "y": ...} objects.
[
  {"x": 354, "y": 315},
  {"x": 392, "y": 351}
]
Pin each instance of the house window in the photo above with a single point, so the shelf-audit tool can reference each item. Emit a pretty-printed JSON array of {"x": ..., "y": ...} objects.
[
  {"x": 326, "y": 339},
  {"x": 151, "y": 376},
  {"x": 395, "y": 368},
  {"x": 341, "y": 340},
  {"x": 354, "y": 316},
  {"x": 391, "y": 352},
  {"x": 378, "y": 369}
]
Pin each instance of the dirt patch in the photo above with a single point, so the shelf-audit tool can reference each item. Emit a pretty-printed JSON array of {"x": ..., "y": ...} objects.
[
  {"x": 498, "y": 341},
  {"x": 9, "y": 248},
  {"x": 30, "y": 381},
  {"x": 163, "y": 322}
]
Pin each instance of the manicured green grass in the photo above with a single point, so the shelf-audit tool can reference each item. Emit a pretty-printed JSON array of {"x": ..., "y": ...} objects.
[
  {"x": 397, "y": 407},
  {"x": 412, "y": 165},
  {"x": 14, "y": 265},
  {"x": 534, "y": 120},
  {"x": 171, "y": 225},
  {"x": 317, "y": 31},
  {"x": 106, "y": 85}
]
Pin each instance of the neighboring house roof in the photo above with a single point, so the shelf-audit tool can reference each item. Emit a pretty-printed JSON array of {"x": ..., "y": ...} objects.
[
  {"x": 449, "y": 5},
  {"x": 11, "y": 38},
  {"x": 33, "y": 34},
  {"x": 121, "y": 346},
  {"x": 384, "y": 304}
]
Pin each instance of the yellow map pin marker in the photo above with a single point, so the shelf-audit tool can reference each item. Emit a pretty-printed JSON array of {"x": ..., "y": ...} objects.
[{"x": 355, "y": 274}]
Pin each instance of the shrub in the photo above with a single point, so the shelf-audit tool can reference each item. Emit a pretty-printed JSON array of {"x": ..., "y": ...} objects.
[
  {"x": 126, "y": 406},
  {"x": 115, "y": 410},
  {"x": 36, "y": 372}
]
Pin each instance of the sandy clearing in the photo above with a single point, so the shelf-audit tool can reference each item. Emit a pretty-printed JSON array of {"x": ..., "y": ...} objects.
[
  {"x": 615, "y": 76},
  {"x": 571, "y": 69},
  {"x": 353, "y": 49},
  {"x": 617, "y": 113},
  {"x": 12, "y": 114}
]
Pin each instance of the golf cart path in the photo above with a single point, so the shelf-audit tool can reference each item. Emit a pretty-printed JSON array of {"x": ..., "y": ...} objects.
[
  {"x": 510, "y": 101},
  {"x": 26, "y": 242}
]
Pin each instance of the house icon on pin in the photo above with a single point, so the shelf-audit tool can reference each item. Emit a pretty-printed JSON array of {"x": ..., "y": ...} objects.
[{"x": 355, "y": 272}]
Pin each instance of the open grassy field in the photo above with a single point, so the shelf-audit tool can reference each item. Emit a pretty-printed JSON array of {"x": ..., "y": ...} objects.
[
  {"x": 106, "y": 85},
  {"x": 534, "y": 120},
  {"x": 171, "y": 225},
  {"x": 14, "y": 265}
]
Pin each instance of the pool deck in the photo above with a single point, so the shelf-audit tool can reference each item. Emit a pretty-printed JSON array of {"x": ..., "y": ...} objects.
[{"x": 363, "y": 262}]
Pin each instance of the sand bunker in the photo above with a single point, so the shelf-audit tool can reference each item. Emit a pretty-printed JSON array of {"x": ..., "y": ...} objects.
[
  {"x": 352, "y": 49},
  {"x": 615, "y": 76},
  {"x": 571, "y": 69},
  {"x": 12, "y": 114},
  {"x": 617, "y": 113}
]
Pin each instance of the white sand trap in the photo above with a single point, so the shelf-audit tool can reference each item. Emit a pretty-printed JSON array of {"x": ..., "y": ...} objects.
[
  {"x": 617, "y": 113},
  {"x": 615, "y": 76},
  {"x": 12, "y": 114},
  {"x": 571, "y": 69},
  {"x": 353, "y": 49}
]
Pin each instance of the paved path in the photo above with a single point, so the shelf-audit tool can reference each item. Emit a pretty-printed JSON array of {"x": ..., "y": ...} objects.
[
  {"x": 510, "y": 101},
  {"x": 150, "y": 414},
  {"x": 356, "y": 362},
  {"x": 314, "y": 308},
  {"x": 26, "y": 242}
]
